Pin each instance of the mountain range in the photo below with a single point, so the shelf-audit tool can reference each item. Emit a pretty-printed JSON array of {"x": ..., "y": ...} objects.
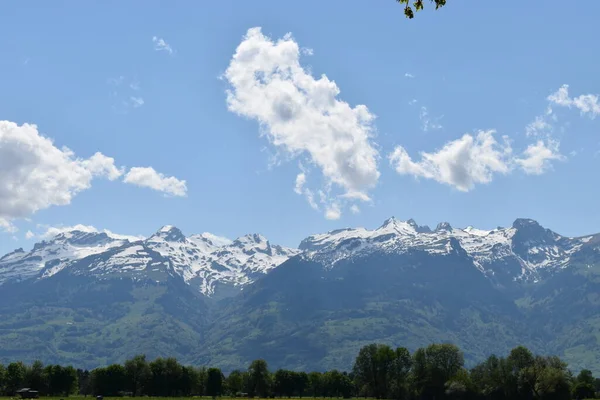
[{"x": 93, "y": 298}]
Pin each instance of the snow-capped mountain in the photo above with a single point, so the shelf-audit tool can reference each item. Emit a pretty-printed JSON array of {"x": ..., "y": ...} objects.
[
  {"x": 101, "y": 297},
  {"x": 202, "y": 260},
  {"x": 50, "y": 256},
  {"x": 205, "y": 260},
  {"x": 525, "y": 251}
]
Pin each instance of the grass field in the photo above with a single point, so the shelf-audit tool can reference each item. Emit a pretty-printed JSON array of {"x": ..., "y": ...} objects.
[
  {"x": 155, "y": 398},
  {"x": 161, "y": 398}
]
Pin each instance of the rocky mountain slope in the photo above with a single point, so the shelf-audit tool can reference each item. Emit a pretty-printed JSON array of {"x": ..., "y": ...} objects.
[{"x": 93, "y": 298}]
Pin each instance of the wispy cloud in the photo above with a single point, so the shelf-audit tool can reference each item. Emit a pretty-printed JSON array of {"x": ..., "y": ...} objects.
[
  {"x": 161, "y": 45},
  {"x": 409, "y": 75},
  {"x": 587, "y": 104},
  {"x": 429, "y": 123},
  {"x": 136, "y": 102},
  {"x": 126, "y": 96}
]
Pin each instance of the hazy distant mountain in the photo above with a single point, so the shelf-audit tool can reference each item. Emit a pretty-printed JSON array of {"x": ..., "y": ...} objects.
[{"x": 89, "y": 298}]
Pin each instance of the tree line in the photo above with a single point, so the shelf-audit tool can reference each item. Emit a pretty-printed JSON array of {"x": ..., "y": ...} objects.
[{"x": 435, "y": 372}]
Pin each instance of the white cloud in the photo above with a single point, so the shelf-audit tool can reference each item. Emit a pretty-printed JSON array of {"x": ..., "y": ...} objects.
[
  {"x": 300, "y": 181},
  {"x": 125, "y": 96},
  {"x": 301, "y": 115},
  {"x": 412, "y": 102},
  {"x": 7, "y": 226},
  {"x": 52, "y": 231},
  {"x": 101, "y": 165},
  {"x": 536, "y": 158},
  {"x": 161, "y": 45},
  {"x": 148, "y": 177},
  {"x": 585, "y": 103},
  {"x": 29, "y": 235},
  {"x": 409, "y": 75},
  {"x": 427, "y": 122},
  {"x": 333, "y": 212},
  {"x": 307, "y": 51},
  {"x": 308, "y": 194},
  {"x": 354, "y": 209},
  {"x": 35, "y": 174},
  {"x": 461, "y": 163},
  {"x": 136, "y": 102},
  {"x": 538, "y": 126}
]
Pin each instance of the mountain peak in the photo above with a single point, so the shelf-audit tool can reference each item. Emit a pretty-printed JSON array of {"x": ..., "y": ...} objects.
[
  {"x": 170, "y": 233},
  {"x": 443, "y": 226},
  {"x": 388, "y": 222},
  {"x": 251, "y": 239},
  {"x": 525, "y": 223}
]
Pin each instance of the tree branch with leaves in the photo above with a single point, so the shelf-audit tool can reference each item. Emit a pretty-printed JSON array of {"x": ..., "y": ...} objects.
[{"x": 418, "y": 5}]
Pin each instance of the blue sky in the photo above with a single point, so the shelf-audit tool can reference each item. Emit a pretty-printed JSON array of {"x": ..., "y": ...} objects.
[{"x": 145, "y": 85}]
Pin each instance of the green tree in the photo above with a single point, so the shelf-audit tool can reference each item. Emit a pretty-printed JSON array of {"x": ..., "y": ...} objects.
[
  {"x": 84, "y": 379},
  {"x": 584, "y": 385},
  {"x": 235, "y": 382},
  {"x": 259, "y": 378},
  {"x": 61, "y": 380},
  {"x": 372, "y": 370},
  {"x": 337, "y": 384},
  {"x": 398, "y": 374},
  {"x": 433, "y": 367},
  {"x": 35, "y": 377},
  {"x": 15, "y": 377},
  {"x": 283, "y": 383},
  {"x": 300, "y": 383},
  {"x": 109, "y": 381},
  {"x": 315, "y": 384},
  {"x": 418, "y": 5},
  {"x": 2, "y": 379},
  {"x": 138, "y": 375},
  {"x": 199, "y": 384},
  {"x": 214, "y": 382}
]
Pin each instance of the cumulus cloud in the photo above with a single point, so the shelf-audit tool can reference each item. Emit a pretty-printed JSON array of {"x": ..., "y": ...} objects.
[
  {"x": 587, "y": 104},
  {"x": 301, "y": 115},
  {"x": 148, "y": 177},
  {"x": 35, "y": 174},
  {"x": 161, "y": 45},
  {"x": 101, "y": 165},
  {"x": 354, "y": 209},
  {"x": 409, "y": 75},
  {"x": 461, "y": 163},
  {"x": 537, "y": 157},
  {"x": 29, "y": 235},
  {"x": 472, "y": 160}
]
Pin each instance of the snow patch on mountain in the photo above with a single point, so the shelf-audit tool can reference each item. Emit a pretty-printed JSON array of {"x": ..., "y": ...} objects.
[
  {"x": 202, "y": 260},
  {"x": 534, "y": 248}
]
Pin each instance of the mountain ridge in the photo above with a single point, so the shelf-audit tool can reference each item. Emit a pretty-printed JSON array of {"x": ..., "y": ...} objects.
[{"x": 211, "y": 300}]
